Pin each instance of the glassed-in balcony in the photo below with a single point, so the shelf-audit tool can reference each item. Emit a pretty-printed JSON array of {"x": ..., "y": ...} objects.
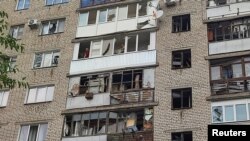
[
  {"x": 88, "y": 3},
  {"x": 227, "y": 8},
  {"x": 230, "y": 75}
]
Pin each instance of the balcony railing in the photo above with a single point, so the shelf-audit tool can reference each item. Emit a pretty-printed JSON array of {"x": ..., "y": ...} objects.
[
  {"x": 138, "y": 136},
  {"x": 135, "y": 96},
  {"x": 212, "y": 3},
  {"x": 88, "y": 3},
  {"x": 230, "y": 86}
]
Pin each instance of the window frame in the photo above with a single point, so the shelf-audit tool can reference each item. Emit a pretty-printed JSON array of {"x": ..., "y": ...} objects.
[
  {"x": 48, "y": 22},
  {"x": 43, "y": 58},
  {"x": 30, "y": 125},
  {"x": 23, "y": 6},
  {"x": 3, "y": 94},
  {"x": 36, "y": 88},
  {"x": 181, "y": 23},
  {"x": 182, "y": 90},
  {"x": 17, "y": 27},
  {"x": 182, "y": 58}
]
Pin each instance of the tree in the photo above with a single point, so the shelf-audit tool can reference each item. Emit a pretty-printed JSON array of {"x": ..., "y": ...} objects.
[{"x": 6, "y": 68}]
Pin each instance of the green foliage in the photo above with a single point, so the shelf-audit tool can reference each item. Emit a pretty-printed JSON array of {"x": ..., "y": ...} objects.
[{"x": 6, "y": 68}]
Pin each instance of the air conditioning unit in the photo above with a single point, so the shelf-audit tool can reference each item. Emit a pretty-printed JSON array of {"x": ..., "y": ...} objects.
[
  {"x": 32, "y": 23},
  {"x": 170, "y": 2}
]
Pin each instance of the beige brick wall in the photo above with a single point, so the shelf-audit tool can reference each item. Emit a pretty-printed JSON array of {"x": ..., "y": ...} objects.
[
  {"x": 16, "y": 112},
  {"x": 197, "y": 77}
]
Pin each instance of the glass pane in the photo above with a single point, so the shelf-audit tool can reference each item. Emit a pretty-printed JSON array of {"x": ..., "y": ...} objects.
[
  {"x": 131, "y": 43},
  {"x": 47, "y": 60},
  {"x": 42, "y": 132},
  {"x": 15, "y": 32},
  {"x": 247, "y": 69},
  {"x": 112, "y": 122},
  {"x": 20, "y": 4},
  {"x": 102, "y": 16},
  {"x": 61, "y": 25},
  {"x": 31, "y": 96},
  {"x": 49, "y": 2},
  {"x": 23, "y": 133},
  {"x": 241, "y": 112},
  {"x": 83, "y": 19},
  {"x": 102, "y": 122},
  {"x": 45, "y": 28},
  {"x": 215, "y": 73},
  {"x": 95, "y": 49},
  {"x": 119, "y": 45},
  {"x": 50, "y": 93},
  {"x": 249, "y": 109},
  {"x": 27, "y": 4},
  {"x": 107, "y": 48},
  {"x": 176, "y": 97},
  {"x": 53, "y": 27},
  {"x": 38, "y": 60},
  {"x": 4, "y": 99},
  {"x": 1, "y": 98},
  {"x": 85, "y": 3},
  {"x": 217, "y": 114},
  {"x": 93, "y": 122},
  {"x": 229, "y": 113},
  {"x": 143, "y": 9},
  {"x": 85, "y": 123},
  {"x": 41, "y": 94},
  {"x": 122, "y": 13},
  {"x": 111, "y": 14},
  {"x": 237, "y": 70},
  {"x": 57, "y": 1},
  {"x": 20, "y": 32},
  {"x": 33, "y": 133},
  {"x": 55, "y": 58},
  {"x": 132, "y": 10},
  {"x": 186, "y": 100}
]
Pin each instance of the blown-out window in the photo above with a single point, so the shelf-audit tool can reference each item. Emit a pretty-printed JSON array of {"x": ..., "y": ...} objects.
[
  {"x": 46, "y": 59},
  {"x": 52, "y": 27}
]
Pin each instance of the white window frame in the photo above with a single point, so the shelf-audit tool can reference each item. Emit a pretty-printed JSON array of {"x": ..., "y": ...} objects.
[
  {"x": 4, "y": 94},
  {"x": 42, "y": 61},
  {"x": 53, "y": 3},
  {"x": 57, "y": 26},
  {"x": 37, "y": 135},
  {"x": 17, "y": 27},
  {"x": 23, "y": 5},
  {"x": 36, "y": 89},
  {"x": 231, "y": 103}
]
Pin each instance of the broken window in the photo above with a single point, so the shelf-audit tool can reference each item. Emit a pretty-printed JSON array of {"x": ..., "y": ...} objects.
[
  {"x": 182, "y": 98},
  {"x": 52, "y": 27},
  {"x": 111, "y": 14},
  {"x": 46, "y": 59},
  {"x": 181, "y": 59},
  {"x": 40, "y": 94},
  {"x": 119, "y": 45},
  {"x": 143, "y": 9},
  {"x": 33, "y": 132},
  {"x": 107, "y": 48},
  {"x": 131, "y": 46},
  {"x": 143, "y": 41},
  {"x": 108, "y": 122},
  {"x": 16, "y": 31},
  {"x": 4, "y": 95},
  {"x": 92, "y": 17},
  {"x": 217, "y": 114},
  {"x": 94, "y": 84},
  {"x": 181, "y": 23},
  {"x": 84, "y": 50},
  {"x": 23, "y": 4},
  {"x": 132, "y": 10},
  {"x": 127, "y": 80},
  {"x": 182, "y": 136}
]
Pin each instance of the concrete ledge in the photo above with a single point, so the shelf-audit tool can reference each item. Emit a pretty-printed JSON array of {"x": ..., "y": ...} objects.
[{"x": 228, "y": 96}]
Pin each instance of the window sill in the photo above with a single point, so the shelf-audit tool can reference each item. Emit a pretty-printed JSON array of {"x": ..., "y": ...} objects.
[
  {"x": 36, "y": 103},
  {"x": 44, "y": 67},
  {"x": 181, "y": 31},
  {"x": 1, "y": 107},
  {"x": 176, "y": 109},
  {"x": 19, "y": 10},
  {"x": 180, "y": 68},
  {"x": 56, "y": 4},
  {"x": 50, "y": 34}
]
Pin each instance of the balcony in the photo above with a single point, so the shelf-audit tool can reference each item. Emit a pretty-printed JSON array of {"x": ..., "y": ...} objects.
[
  {"x": 88, "y": 3},
  {"x": 135, "y": 96},
  {"x": 127, "y": 60},
  {"x": 227, "y": 9},
  {"x": 138, "y": 136}
]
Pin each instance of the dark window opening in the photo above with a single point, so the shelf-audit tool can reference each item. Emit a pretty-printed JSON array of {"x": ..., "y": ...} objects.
[
  {"x": 119, "y": 45},
  {"x": 181, "y": 59},
  {"x": 182, "y": 136},
  {"x": 181, "y": 23},
  {"x": 84, "y": 50},
  {"x": 182, "y": 98}
]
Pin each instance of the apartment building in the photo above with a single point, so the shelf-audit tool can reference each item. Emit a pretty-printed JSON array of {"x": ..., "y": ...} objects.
[
  {"x": 182, "y": 77},
  {"x": 46, "y": 28},
  {"x": 228, "y": 27}
]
